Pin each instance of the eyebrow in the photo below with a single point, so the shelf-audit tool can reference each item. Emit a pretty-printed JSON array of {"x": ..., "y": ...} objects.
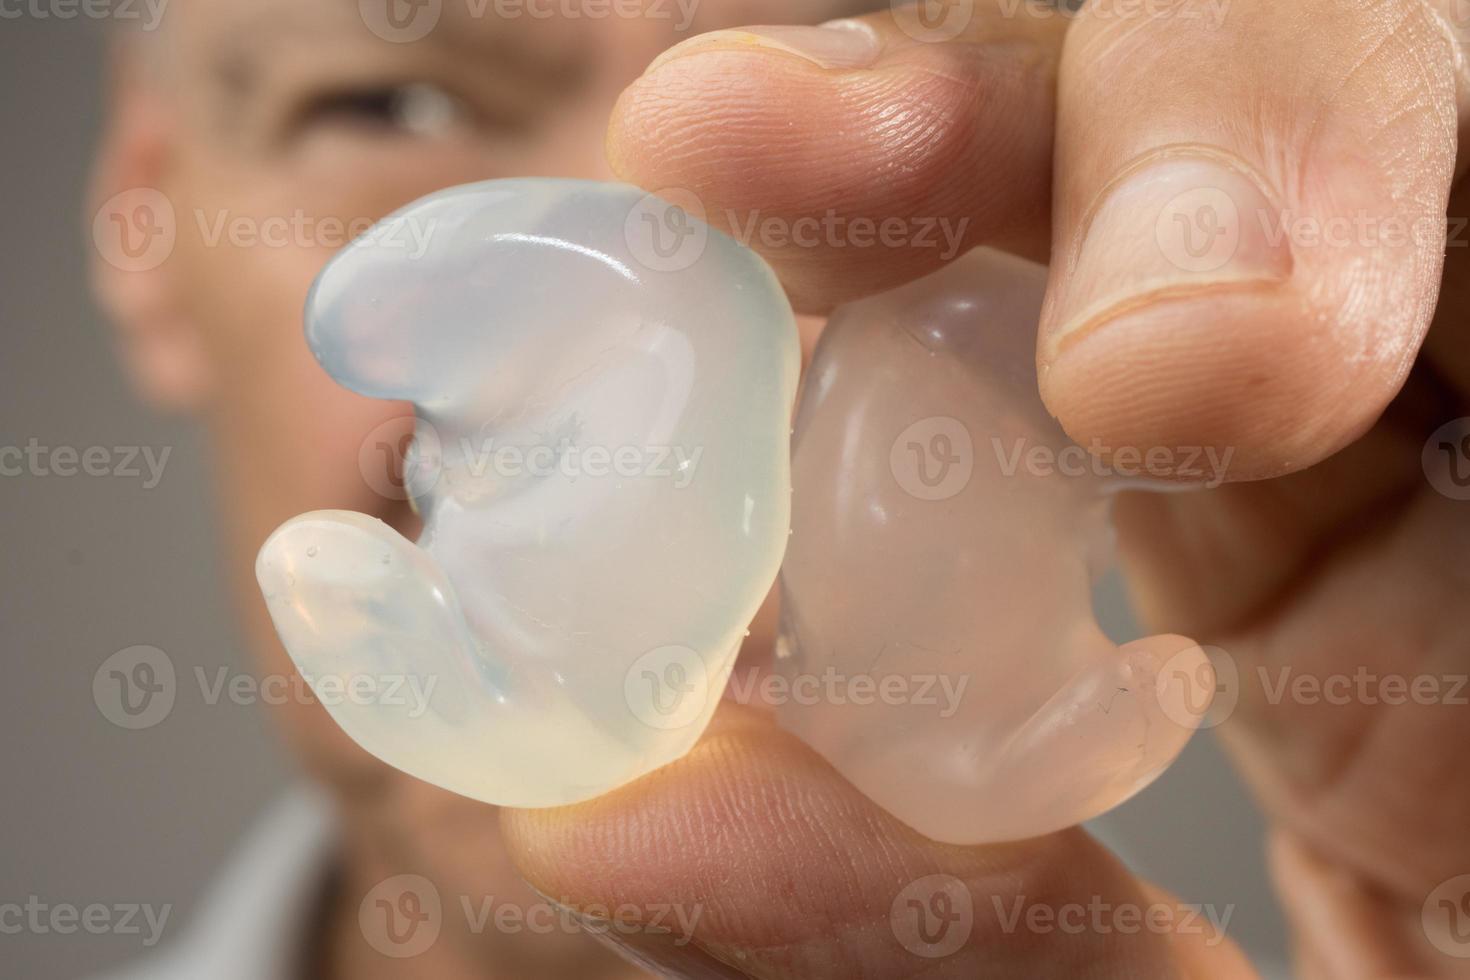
[{"x": 237, "y": 62}]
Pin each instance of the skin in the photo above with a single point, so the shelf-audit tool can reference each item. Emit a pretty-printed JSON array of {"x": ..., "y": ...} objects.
[{"x": 1323, "y": 368}]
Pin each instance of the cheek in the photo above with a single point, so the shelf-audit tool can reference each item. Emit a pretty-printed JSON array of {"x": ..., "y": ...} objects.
[{"x": 287, "y": 433}]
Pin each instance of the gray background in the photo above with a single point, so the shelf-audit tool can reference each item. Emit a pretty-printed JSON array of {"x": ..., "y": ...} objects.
[{"x": 93, "y": 813}]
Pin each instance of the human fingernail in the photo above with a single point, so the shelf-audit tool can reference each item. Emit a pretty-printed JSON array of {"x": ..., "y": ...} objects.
[
  {"x": 845, "y": 44},
  {"x": 1169, "y": 227}
]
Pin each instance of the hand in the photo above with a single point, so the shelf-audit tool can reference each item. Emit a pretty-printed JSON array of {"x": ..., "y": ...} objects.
[{"x": 1244, "y": 206}]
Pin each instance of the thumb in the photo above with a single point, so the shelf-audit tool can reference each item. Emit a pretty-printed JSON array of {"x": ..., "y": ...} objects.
[
  {"x": 751, "y": 857},
  {"x": 1249, "y": 223}
]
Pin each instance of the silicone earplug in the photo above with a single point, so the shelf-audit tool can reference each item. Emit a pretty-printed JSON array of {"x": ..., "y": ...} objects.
[
  {"x": 937, "y": 593},
  {"x": 603, "y": 388}
]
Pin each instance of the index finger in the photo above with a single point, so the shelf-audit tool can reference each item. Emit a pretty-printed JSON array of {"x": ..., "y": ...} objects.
[{"x": 859, "y": 155}]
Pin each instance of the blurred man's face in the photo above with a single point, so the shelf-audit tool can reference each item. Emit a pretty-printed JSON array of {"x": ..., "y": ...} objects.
[
  {"x": 275, "y": 128},
  {"x": 299, "y": 111},
  {"x": 292, "y": 123}
]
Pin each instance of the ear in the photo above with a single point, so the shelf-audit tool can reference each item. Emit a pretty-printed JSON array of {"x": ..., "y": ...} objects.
[{"x": 132, "y": 232}]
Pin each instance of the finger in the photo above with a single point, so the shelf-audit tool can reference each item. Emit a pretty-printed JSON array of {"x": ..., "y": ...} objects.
[
  {"x": 1343, "y": 928},
  {"x": 860, "y": 155},
  {"x": 1249, "y": 222},
  {"x": 778, "y": 868}
]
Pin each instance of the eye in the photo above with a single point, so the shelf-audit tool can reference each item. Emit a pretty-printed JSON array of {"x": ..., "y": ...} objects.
[{"x": 413, "y": 109}]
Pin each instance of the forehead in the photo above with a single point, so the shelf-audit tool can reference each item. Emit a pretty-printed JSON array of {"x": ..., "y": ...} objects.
[
  {"x": 460, "y": 24},
  {"x": 236, "y": 49}
]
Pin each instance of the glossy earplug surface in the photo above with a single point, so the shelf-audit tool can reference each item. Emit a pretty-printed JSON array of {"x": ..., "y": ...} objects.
[
  {"x": 937, "y": 593},
  {"x": 603, "y": 390}
]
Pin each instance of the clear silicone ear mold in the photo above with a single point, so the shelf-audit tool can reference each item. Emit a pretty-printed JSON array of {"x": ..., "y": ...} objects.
[
  {"x": 602, "y": 467},
  {"x": 937, "y": 592}
]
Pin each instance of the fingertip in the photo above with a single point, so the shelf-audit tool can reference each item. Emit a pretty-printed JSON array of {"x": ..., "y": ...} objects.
[
  {"x": 850, "y": 177},
  {"x": 1217, "y": 387}
]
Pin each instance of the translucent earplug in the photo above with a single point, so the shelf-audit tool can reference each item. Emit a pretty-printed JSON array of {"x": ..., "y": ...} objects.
[
  {"x": 937, "y": 593},
  {"x": 603, "y": 388}
]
